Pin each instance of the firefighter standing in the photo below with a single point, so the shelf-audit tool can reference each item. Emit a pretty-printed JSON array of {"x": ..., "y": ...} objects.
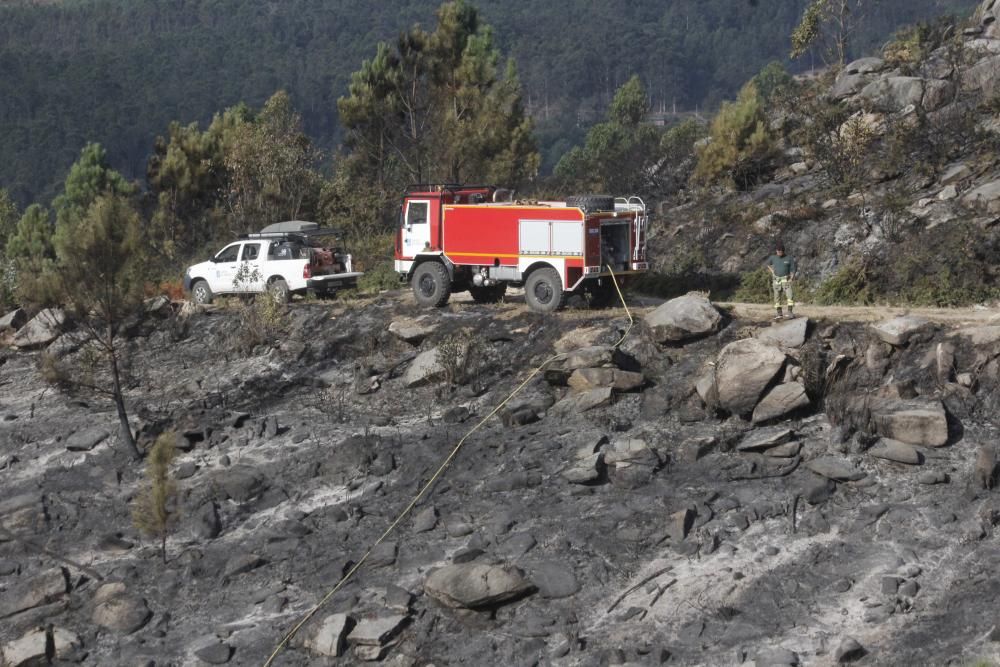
[{"x": 782, "y": 270}]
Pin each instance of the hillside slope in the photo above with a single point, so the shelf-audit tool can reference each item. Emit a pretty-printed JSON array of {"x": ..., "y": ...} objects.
[{"x": 118, "y": 72}]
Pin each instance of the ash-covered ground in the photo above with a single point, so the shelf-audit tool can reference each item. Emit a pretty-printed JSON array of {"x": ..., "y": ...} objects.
[{"x": 710, "y": 492}]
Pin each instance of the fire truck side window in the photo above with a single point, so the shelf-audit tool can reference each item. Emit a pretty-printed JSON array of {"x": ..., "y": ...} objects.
[{"x": 416, "y": 213}]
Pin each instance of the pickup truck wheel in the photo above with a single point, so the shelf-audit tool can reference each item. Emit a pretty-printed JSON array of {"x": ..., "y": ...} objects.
[
  {"x": 278, "y": 289},
  {"x": 543, "y": 291},
  {"x": 491, "y": 294},
  {"x": 201, "y": 293},
  {"x": 431, "y": 284}
]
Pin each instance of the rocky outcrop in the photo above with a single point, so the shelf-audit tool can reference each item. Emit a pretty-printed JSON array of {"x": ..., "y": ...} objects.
[
  {"x": 783, "y": 400},
  {"x": 897, "y": 332},
  {"x": 474, "y": 585},
  {"x": 915, "y": 422},
  {"x": 743, "y": 371},
  {"x": 41, "y": 330},
  {"x": 684, "y": 318}
]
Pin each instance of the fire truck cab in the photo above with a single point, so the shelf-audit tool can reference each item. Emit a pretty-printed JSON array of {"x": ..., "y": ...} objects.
[{"x": 453, "y": 238}]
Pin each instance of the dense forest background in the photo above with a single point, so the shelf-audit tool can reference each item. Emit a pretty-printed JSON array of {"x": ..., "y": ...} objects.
[{"x": 119, "y": 71}]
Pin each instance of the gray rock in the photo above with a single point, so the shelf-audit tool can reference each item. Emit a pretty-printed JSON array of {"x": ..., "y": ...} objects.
[
  {"x": 894, "y": 93},
  {"x": 835, "y": 469},
  {"x": 377, "y": 631},
  {"x": 584, "y": 401},
  {"x": 217, "y": 653},
  {"x": 383, "y": 555},
  {"x": 411, "y": 330},
  {"x": 594, "y": 356},
  {"x": 894, "y": 450},
  {"x": 870, "y": 65},
  {"x": 241, "y": 563},
  {"x": 517, "y": 545},
  {"x": 123, "y": 614},
  {"x": 776, "y": 657},
  {"x": 207, "y": 525},
  {"x": 33, "y": 648},
  {"x": 585, "y": 379},
  {"x": 955, "y": 174},
  {"x": 848, "y": 650},
  {"x": 424, "y": 369},
  {"x": 41, "y": 330},
  {"x": 898, "y": 331},
  {"x": 678, "y": 525},
  {"x": 785, "y": 451},
  {"x": 686, "y": 317},
  {"x": 933, "y": 477},
  {"x": 743, "y": 371},
  {"x": 585, "y": 470},
  {"x": 425, "y": 521},
  {"x": 40, "y": 590},
  {"x": 765, "y": 438},
  {"x": 329, "y": 638},
  {"x": 848, "y": 85},
  {"x": 13, "y": 320},
  {"x": 475, "y": 585},
  {"x": 908, "y": 589},
  {"x": 915, "y": 422},
  {"x": 985, "y": 196},
  {"x": 780, "y": 401},
  {"x": 554, "y": 580},
  {"x": 786, "y": 334},
  {"x": 890, "y": 585},
  {"x": 983, "y": 336},
  {"x": 241, "y": 482},
  {"x": 585, "y": 337},
  {"x": 988, "y": 17},
  {"x": 86, "y": 439}
]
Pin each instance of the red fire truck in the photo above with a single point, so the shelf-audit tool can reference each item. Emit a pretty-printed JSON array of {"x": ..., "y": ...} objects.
[{"x": 453, "y": 238}]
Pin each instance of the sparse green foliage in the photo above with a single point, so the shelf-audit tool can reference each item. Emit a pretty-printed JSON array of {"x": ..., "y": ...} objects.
[
  {"x": 90, "y": 177},
  {"x": 773, "y": 82},
  {"x": 8, "y": 219},
  {"x": 380, "y": 277},
  {"x": 620, "y": 155},
  {"x": 271, "y": 167},
  {"x": 741, "y": 147},
  {"x": 29, "y": 254},
  {"x": 262, "y": 317},
  {"x": 755, "y": 287},
  {"x": 98, "y": 275},
  {"x": 851, "y": 284},
  {"x": 832, "y": 22},
  {"x": 435, "y": 107},
  {"x": 153, "y": 511}
]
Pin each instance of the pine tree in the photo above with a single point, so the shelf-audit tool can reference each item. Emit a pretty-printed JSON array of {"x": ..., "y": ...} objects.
[{"x": 152, "y": 509}]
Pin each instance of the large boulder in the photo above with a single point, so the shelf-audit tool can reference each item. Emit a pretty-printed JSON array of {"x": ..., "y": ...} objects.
[
  {"x": 897, "y": 332},
  {"x": 424, "y": 369},
  {"x": 686, "y": 317},
  {"x": 411, "y": 330},
  {"x": 743, "y": 371},
  {"x": 584, "y": 379},
  {"x": 985, "y": 196},
  {"x": 894, "y": 93},
  {"x": 916, "y": 422},
  {"x": 41, "y": 330},
  {"x": 988, "y": 17},
  {"x": 477, "y": 585},
  {"x": 13, "y": 320},
  {"x": 43, "y": 589},
  {"x": 984, "y": 76},
  {"x": 869, "y": 65},
  {"x": 786, "y": 334},
  {"x": 37, "y": 647},
  {"x": 123, "y": 614},
  {"x": 780, "y": 401}
]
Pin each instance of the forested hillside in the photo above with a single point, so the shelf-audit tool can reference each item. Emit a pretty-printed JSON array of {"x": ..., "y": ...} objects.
[{"x": 118, "y": 71}]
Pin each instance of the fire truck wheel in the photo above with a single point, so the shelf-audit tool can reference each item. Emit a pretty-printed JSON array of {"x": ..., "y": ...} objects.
[
  {"x": 592, "y": 202},
  {"x": 544, "y": 291},
  {"x": 488, "y": 294},
  {"x": 431, "y": 284}
]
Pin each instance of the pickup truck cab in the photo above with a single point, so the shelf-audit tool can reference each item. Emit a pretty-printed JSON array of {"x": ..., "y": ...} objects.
[{"x": 282, "y": 259}]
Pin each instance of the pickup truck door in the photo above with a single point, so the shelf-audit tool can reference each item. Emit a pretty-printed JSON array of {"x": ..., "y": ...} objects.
[
  {"x": 416, "y": 227},
  {"x": 249, "y": 274},
  {"x": 221, "y": 276}
]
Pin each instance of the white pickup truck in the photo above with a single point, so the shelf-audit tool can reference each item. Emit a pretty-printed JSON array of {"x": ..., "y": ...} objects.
[{"x": 282, "y": 259}]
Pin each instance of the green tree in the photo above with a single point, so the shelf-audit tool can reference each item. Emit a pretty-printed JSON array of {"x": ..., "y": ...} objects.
[
  {"x": 8, "y": 219},
  {"x": 30, "y": 254},
  {"x": 152, "y": 510},
  {"x": 435, "y": 108},
  {"x": 98, "y": 273},
  {"x": 741, "y": 147},
  {"x": 90, "y": 177},
  {"x": 271, "y": 166},
  {"x": 187, "y": 176},
  {"x": 832, "y": 23},
  {"x": 620, "y": 155}
]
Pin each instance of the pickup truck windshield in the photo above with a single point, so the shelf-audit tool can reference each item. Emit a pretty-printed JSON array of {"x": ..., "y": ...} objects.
[{"x": 228, "y": 254}]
